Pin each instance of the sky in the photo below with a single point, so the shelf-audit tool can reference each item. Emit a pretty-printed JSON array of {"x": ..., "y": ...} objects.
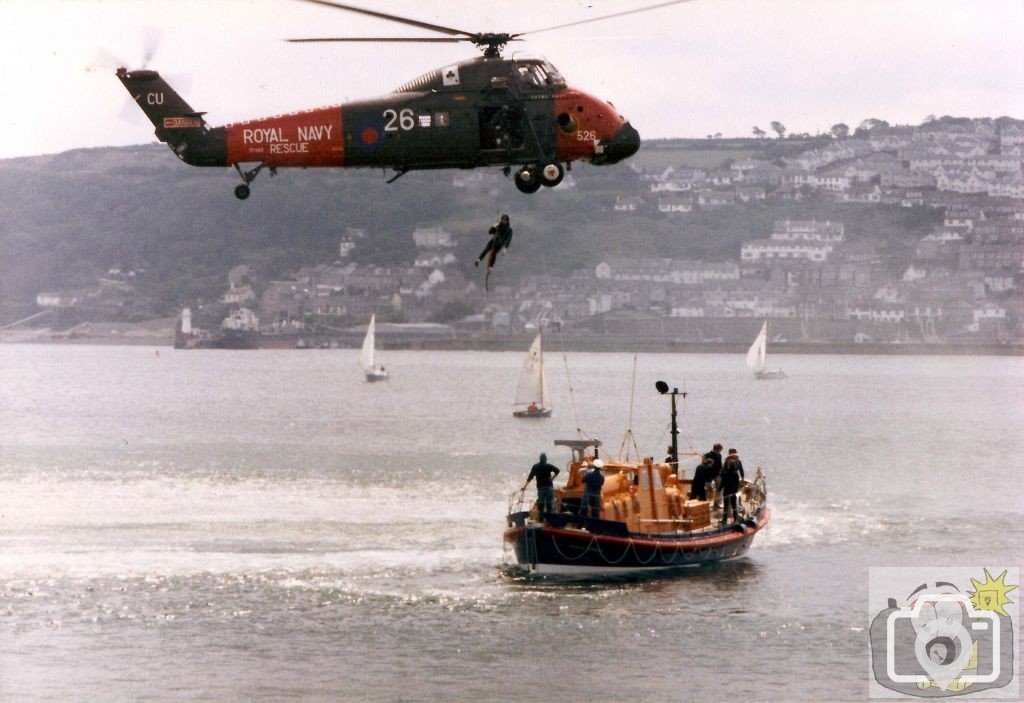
[{"x": 689, "y": 70}]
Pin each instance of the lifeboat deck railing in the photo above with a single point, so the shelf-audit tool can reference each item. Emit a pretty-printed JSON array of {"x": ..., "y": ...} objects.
[{"x": 517, "y": 502}]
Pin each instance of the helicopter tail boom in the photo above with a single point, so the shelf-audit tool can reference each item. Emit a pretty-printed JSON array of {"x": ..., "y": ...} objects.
[{"x": 176, "y": 123}]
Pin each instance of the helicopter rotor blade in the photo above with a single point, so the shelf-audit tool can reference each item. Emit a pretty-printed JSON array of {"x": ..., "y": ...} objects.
[
  {"x": 446, "y": 40},
  {"x": 596, "y": 19},
  {"x": 105, "y": 61},
  {"x": 393, "y": 18}
]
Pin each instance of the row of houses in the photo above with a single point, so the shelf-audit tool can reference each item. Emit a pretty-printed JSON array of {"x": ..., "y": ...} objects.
[
  {"x": 985, "y": 162},
  {"x": 808, "y": 269},
  {"x": 804, "y": 269},
  {"x": 956, "y": 306}
]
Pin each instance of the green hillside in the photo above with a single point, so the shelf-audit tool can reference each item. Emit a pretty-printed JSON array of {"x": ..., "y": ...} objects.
[{"x": 67, "y": 219}]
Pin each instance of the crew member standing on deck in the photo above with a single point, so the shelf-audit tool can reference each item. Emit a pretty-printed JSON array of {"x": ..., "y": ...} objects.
[
  {"x": 701, "y": 476},
  {"x": 716, "y": 467},
  {"x": 732, "y": 478},
  {"x": 545, "y": 474},
  {"x": 716, "y": 460},
  {"x": 592, "y": 482}
]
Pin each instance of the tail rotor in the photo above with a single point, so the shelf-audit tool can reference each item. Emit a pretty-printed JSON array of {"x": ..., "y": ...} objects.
[{"x": 107, "y": 61}]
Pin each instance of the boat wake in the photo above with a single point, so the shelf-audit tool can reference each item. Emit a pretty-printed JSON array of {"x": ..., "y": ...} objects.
[{"x": 798, "y": 523}]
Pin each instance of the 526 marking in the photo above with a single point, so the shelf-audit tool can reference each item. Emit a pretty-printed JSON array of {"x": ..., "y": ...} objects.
[
  {"x": 404, "y": 120},
  {"x": 586, "y": 135}
]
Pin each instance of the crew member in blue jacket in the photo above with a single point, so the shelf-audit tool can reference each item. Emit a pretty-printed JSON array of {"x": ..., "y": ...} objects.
[{"x": 593, "y": 480}]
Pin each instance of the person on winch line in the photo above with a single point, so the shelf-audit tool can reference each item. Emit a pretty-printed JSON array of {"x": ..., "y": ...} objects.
[{"x": 501, "y": 239}]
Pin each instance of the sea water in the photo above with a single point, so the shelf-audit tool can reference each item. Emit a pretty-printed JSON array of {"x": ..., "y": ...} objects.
[{"x": 265, "y": 525}]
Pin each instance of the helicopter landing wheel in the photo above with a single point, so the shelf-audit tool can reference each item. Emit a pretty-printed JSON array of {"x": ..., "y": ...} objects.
[
  {"x": 242, "y": 191},
  {"x": 526, "y": 180},
  {"x": 551, "y": 174}
]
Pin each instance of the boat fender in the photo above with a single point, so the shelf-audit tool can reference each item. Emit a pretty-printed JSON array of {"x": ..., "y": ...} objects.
[{"x": 751, "y": 523}]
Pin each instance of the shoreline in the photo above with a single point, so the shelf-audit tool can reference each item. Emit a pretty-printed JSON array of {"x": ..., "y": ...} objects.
[{"x": 558, "y": 342}]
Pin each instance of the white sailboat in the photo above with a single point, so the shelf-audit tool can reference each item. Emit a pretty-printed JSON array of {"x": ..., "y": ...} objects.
[
  {"x": 373, "y": 370},
  {"x": 757, "y": 357},
  {"x": 532, "y": 391}
]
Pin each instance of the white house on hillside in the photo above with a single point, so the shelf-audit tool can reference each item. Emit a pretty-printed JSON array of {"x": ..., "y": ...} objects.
[
  {"x": 432, "y": 237},
  {"x": 768, "y": 249},
  {"x": 810, "y": 230}
]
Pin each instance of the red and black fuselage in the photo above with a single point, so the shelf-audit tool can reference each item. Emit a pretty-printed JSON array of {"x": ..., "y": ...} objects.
[{"x": 488, "y": 111}]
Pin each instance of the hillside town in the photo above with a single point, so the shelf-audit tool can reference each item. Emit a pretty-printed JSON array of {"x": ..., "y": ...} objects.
[{"x": 960, "y": 282}]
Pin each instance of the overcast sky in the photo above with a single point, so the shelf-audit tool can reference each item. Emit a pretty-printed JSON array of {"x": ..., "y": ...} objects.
[{"x": 689, "y": 70}]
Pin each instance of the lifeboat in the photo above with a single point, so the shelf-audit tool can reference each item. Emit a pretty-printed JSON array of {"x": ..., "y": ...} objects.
[{"x": 647, "y": 522}]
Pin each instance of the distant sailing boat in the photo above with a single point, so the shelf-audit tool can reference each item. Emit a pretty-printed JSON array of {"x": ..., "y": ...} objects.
[
  {"x": 374, "y": 372},
  {"x": 532, "y": 391},
  {"x": 757, "y": 357}
]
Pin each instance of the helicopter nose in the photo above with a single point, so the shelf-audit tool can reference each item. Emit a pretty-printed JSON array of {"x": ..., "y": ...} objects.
[{"x": 624, "y": 144}]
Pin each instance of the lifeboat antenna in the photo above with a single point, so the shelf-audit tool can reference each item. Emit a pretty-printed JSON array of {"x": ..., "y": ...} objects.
[{"x": 663, "y": 388}]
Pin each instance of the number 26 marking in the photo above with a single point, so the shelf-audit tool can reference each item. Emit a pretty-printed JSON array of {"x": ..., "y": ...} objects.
[{"x": 403, "y": 120}]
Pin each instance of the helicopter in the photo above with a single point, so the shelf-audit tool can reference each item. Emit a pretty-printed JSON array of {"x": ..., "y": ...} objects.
[{"x": 487, "y": 111}]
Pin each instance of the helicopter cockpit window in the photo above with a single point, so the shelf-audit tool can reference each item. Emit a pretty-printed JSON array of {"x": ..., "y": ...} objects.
[
  {"x": 555, "y": 78},
  {"x": 532, "y": 76}
]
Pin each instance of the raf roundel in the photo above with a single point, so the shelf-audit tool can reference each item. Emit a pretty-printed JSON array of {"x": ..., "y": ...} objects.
[{"x": 369, "y": 136}]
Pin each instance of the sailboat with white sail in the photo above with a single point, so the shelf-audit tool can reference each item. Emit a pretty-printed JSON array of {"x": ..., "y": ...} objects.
[
  {"x": 373, "y": 370},
  {"x": 532, "y": 399},
  {"x": 757, "y": 357}
]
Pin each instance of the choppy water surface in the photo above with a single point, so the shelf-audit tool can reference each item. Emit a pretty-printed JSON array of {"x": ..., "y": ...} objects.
[{"x": 215, "y": 525}]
